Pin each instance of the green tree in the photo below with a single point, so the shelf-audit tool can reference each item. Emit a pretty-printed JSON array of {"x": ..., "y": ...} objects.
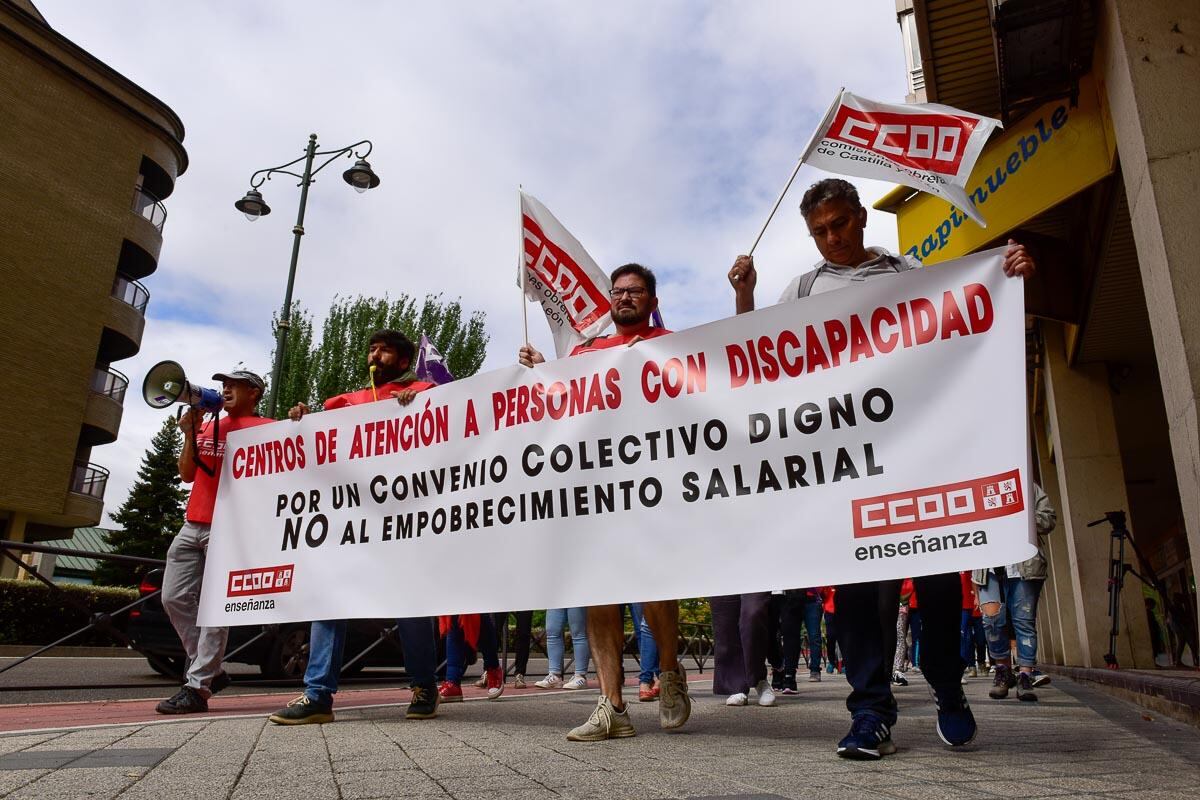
[
  {"x": 338, "y": 363},
  {"x": 152, "y": 514}
]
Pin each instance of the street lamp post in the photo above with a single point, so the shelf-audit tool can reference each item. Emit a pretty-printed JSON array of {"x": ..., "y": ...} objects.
[{"x": 360, "y": 176}]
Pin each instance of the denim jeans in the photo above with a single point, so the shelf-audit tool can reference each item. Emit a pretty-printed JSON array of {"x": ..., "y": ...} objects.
[
  {"x": 556, "y": 618},
  {"x": 814, "y": 610},
  {"x": 1018, "y": 599},
  {"x": 973, "y": 636},
  {"x": 458, "y": 652},
  {"x": 327, "y": 644},
  {"x": 831, "y": 652},
  {"x": 647, "y": 648}
]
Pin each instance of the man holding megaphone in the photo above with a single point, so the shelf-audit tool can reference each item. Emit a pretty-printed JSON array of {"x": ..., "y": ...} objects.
[{"x": 200, "y": 465}]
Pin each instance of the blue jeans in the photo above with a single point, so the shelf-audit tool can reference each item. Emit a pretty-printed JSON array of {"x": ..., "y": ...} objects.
[
  {"x": 814, "y": 610},
  {"x": 972, "y": 635},
  {"x": 1018, "y": 599},
  {"x": 327, "y": 644},
  {"x": 458, "y": 651},
  {"x": 556, "y": 618},
  {"x": 647, "y": 648}
]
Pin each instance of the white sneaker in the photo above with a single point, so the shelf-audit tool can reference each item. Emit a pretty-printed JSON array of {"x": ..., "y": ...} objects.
[
  {"x": 738, "y": 699},
  {"x": 766, "y": 696},
  {"x": 578, "y": 682},
  {"x": 551, "y": 681}
]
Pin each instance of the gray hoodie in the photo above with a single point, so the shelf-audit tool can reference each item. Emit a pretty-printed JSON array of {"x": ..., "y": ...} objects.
[{"x": 1033, "y": 568}]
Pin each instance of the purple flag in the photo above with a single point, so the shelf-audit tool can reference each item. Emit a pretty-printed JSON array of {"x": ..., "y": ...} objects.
[{"x": 431, "y": 367}]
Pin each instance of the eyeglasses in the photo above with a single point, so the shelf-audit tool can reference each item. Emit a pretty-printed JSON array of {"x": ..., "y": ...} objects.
[{"x": 634, "y": 294}]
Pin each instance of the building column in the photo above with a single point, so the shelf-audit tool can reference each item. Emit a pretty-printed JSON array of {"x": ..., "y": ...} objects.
[
  {"x": 1147, "y": 56},
  {"x": 1091, "y": 481},
  {"x": 14, "y": 531},
  {"x": 1058, "y": 634}
]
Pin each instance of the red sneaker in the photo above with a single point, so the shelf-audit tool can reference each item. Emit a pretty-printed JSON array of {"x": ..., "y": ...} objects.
[
  {"x": 648, "y": 693},
  {"x": 451, "y": 692},
  {"x": 495, "y": 682}
]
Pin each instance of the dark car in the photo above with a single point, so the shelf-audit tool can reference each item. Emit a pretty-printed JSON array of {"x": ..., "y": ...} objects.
[{"x": 280, "y": 651}]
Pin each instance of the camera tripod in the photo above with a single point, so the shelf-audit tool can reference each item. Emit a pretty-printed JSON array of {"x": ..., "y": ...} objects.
[{"x": 1117, "y": 569}]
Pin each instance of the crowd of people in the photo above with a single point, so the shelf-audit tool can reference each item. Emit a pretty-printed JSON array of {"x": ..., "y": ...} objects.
[{"x": 859, "y": 630}]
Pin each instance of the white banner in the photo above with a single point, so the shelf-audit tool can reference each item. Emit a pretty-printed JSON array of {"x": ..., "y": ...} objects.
[
  {"x": 863, "y": 434},
  {"x": 928, "y": 146},
  {"x": 561, "y": 276}
]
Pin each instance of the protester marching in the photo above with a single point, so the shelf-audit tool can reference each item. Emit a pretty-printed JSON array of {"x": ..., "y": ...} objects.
[{"x": 658, "y": 439}]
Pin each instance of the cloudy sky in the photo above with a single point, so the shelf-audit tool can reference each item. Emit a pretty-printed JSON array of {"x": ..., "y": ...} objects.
[{"x": 656, "y": 132}]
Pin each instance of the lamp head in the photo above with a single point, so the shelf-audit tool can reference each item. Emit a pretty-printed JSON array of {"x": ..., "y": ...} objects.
[
  {"x": 361, "y": 176},
  {"x": 253, "y": 205}
]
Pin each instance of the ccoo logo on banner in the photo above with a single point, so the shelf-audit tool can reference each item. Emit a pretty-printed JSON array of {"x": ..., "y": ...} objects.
[{"x": 927, "y": 146}]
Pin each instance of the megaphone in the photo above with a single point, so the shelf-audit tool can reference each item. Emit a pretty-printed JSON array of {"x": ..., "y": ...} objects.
[{"x": 166, "y": 383}]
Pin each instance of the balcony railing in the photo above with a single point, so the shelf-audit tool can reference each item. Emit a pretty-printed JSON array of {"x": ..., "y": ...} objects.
[
  {"x": 150, "y": 207},
  {"x": 131, "y": 292},
  {"x": 110, "y": 383},
  {"x": 89, "y": 479}
]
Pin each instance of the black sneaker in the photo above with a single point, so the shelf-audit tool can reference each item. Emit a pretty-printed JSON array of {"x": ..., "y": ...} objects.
[
  {"x": 1002, "y": 682},
  {"x": 789, "y": 684},
  {"x": 869, "y": 739},
  {"x": 1025, "y": 690},
  {"x": 303, "y": 711},
  {"x": 424, "y": 702},
  {"x": 221, "y": 681},
  {"x": 186, "y": 701},
  {"x": 1040, "y": 678},
  {"x": 898, "y": 679},
  {"x": 955, "y": 722},
  {"x": 777, "y": 680}
]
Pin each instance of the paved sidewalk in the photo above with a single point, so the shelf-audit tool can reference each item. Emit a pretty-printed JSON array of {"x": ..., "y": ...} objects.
[{"x": 1076, "y": 742}]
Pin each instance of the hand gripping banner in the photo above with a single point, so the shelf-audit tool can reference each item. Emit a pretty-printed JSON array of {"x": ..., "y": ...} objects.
[
  {"x": 863, "y": 434},
  {"x": 928, "y": 146}
]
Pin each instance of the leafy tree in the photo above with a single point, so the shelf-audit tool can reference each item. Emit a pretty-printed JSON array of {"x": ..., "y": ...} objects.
[
  {"x": 152, "y": 514},
  {"x": 338, "y": 363}
]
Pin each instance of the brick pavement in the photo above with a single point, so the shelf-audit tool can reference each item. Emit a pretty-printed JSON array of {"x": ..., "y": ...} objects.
[{"x": 1076, "y": 742}]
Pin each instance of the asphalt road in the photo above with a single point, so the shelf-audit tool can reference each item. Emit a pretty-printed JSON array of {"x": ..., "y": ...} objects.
[
  {"x": 73, "y": 679},
  {"x": 54, "y": 679}
]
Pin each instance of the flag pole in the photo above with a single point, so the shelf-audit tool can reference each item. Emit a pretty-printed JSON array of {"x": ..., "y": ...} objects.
[
  {"x": 521, "y": 264},
  {"x": 803, "y": 155}
]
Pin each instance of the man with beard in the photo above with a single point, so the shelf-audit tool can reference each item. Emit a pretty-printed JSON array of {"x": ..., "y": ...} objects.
[
  {"x": 866, "y": 613},
  {"x": 390, "y": 358},
  {"x": 633, "y": 301}
]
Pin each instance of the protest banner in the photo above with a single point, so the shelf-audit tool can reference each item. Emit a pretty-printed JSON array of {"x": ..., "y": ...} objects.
[
  {"x": 927, "y": 146},
  {"x": 851, "y": 436}
]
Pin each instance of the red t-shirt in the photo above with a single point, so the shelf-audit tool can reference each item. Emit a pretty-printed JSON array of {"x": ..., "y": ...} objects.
[
  {"x": 617, "y": 340},
  {"x": 828, "y": 592},
  {"x": 384, "y": 392},
  {"x": 204, "y": 487},
  {"x": 968, "y": 591}
]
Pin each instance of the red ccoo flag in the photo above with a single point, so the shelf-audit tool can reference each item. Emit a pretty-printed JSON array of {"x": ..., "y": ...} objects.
[
  {"x": 561, "y": 276},
  {"x": 927, "y": 146}
]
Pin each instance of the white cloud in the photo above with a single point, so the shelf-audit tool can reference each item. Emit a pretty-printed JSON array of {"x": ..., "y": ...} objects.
[{"x": 660, "y": 133}]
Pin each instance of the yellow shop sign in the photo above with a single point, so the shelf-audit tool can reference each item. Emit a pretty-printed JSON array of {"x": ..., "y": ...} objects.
[{"x": 1045, "y": 158}]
